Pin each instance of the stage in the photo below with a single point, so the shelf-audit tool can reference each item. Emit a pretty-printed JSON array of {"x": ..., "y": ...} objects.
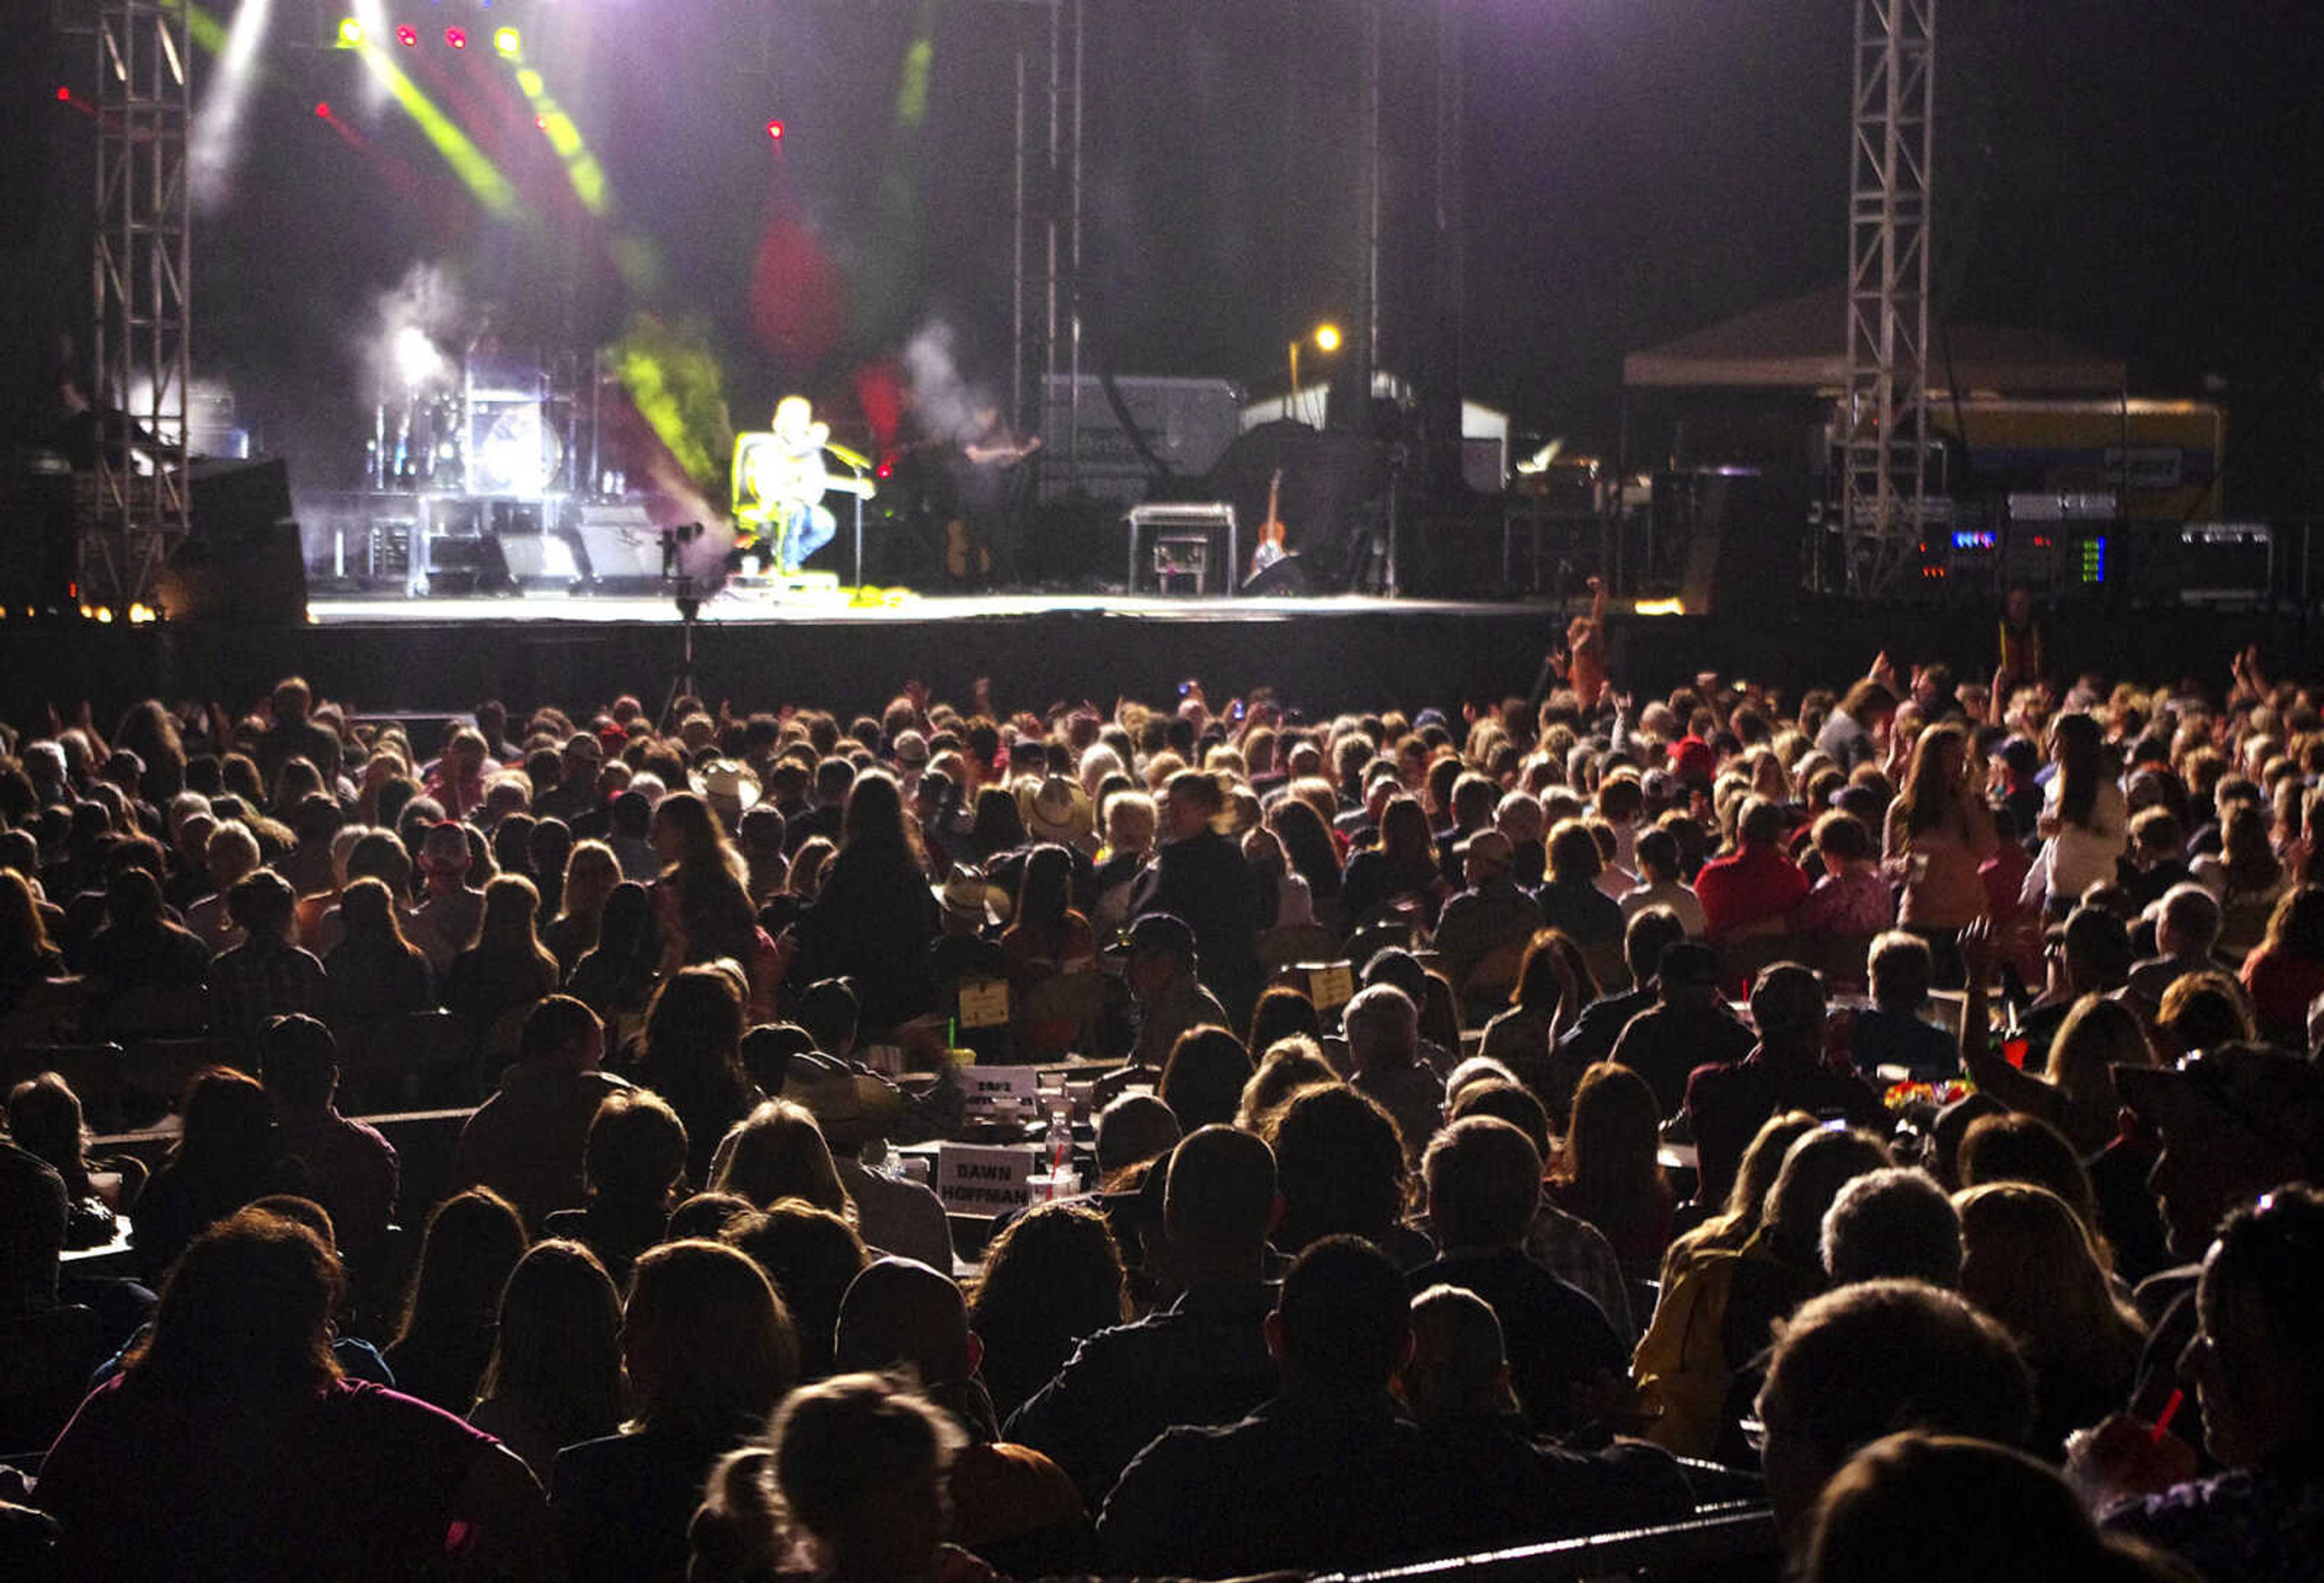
[
  {"x": 1322, "y": 655},
  {"x": 446, "y": 654}
]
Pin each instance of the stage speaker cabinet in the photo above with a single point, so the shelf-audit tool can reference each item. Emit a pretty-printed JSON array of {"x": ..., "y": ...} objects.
[
  {"x": 1735, "y": 536},
  {"x": 540, "y": 560},
  {"x": 241, "y": 561},
  {"x": 1287, "y": 576},
  {"x": 38, "y": 550},
  {"x": 256, "y": 579},
  {"x": 2222, "y": 563},
  {"x": 621, "y": 548}
]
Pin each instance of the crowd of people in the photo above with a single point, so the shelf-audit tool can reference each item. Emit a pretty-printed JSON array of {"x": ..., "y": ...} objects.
[{"x": 1901, "y": 1094}]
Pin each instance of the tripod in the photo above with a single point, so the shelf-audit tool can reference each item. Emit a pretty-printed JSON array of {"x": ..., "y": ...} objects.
[{"x": 687, "y": 595}]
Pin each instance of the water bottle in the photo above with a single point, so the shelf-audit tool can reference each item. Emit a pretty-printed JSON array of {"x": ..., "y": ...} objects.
[{"x": 1062, "y": 1181}]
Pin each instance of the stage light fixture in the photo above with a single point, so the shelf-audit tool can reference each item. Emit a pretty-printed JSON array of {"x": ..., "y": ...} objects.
[
  {"x": 323, "y": 109},
  {"x": 540, "y": 123},
  {"x": 408, "y": 36},
  {"x": 1327, "y": 337},
  {"x": 456, "y": 37},
  {"x": 775, "y": 130},
  {"x": 351, "y": 33},
  {"x": 508, "y": 41},
  {"x": 64, "y": 95}
]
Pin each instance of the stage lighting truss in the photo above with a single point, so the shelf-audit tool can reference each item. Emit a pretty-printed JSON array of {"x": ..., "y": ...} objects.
[{"x": 349, "y": 31}]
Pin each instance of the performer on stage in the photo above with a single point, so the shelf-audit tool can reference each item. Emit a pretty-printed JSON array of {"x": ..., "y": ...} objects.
[
  {"x": 807, "y": 524},
  {"x": 779, "y": 482},
  {"x": 986, "y": 479}
]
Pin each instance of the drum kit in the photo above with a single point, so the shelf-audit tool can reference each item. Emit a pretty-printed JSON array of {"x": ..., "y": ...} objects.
[{"x": 498, "y": 424}]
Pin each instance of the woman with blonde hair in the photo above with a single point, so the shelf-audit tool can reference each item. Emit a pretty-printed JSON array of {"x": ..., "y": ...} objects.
[
  {"x": 703, "y": 897},
  {"x": 2085, "y": 821},
  {"x": 848, "y": 1485},
  {"x": 1610, "y": 1175},
  {"x": 1290, "y": 1067},
  {"x": 2098, "y": 1034},
  {"x": 507, "y": 968},
  {"x": 779, "y": 1152},
  {"x": 1939, "y": 832},
  {"x": 26, "y": 955},
  {"x": 710, "y": 1350},
  {"x": 1554, "y": 983},
  {"x": 2075, "y": 1092},
  {"x": 692, "y": 1057},
  {"x": 1738, "y": 1220},
  {"x": 591, "y": 872},
  {"x": 2028, "y": 1261},
  {"x": 555, "y": 1376}
]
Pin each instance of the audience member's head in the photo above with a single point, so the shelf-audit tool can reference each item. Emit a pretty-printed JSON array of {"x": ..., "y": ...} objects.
[
  {"x": 1202, "y": 1080},
  {"x": 563, "y": 1031},
  {"x": 1787, "y": 1008},
  {"x": 1343, "y": 1321},
  {"x": 557, "y": 1346},
  {"x": 1483, "y": 1183},
  {"x": 812, "y": 1256},
  {"x": 1287, "y": 1067},
  {"x": 899, "y": 1312},
  {"x": 705, "y": 1215},
  {"x": 1817, "y": 1166},
  {"x": 244, "y": 1319},
  {"x": 853, "y": 1470},
  {"x": 1892, "y": 1224},
  {"x": 2260, "y": 1305},
  {"x": 1903, "y": 970},
  {"x": 778, "y": 1152},
  {"x": 636, "y": 1148},
  {"x": 1220, "y": 1203},
  {"x": 1052, "y": 1277},
  {"x": 1132, "y": 1130},
  {"x": 2017, "y": 1147},
  {"x": 1460, "y": 1366},
  {"x": 471, "y": 1242},
  {"x": 1341, "y": 1166},
  {"x": 1383, "y": 1028},
  {"x": 1873, "y": 1358},
  {"x": 682, "y": 1382},
  {"x": 2027, "y": 1527},
  {"x": 300, "y": 1062}
]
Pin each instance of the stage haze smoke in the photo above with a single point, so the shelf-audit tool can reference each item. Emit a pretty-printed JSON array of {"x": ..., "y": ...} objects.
[
  {"x": 944, "y": 401},
  {"x": 410, "y": 346}
]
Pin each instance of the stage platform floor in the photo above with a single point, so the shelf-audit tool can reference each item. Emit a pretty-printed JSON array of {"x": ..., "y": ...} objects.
[
  {"x": 1321, "y": 655},
  {"x": 896, "y": 606}
]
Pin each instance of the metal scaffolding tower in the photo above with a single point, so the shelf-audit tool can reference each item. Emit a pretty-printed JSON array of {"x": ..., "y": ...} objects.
[
  {"x": 143, "y": 302},
  {"x": 1884, "y": 414},
  {"x": 1048, "y": 249}
]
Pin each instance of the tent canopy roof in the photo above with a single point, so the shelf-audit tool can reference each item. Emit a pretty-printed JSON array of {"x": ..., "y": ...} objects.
[{"x": 1799, "y": 345}]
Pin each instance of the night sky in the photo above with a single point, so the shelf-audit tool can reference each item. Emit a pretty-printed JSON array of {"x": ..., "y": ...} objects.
[{"x": 2143, "y": 177}]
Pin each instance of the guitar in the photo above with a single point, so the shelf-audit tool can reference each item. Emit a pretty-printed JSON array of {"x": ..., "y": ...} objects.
[
  {"x": 774, "y": 475},
  {"x": 1271, "y": 532}
]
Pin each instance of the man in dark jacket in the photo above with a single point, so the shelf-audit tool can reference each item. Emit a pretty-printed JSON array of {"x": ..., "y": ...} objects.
[{"x": 1199, "y": 875}]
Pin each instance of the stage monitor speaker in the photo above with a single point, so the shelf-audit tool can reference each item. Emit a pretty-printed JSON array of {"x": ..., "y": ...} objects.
[
  {"x": 539, "y": 561},
  {"x": 1288, "y": 575},
  {"x": 256, "y": 578},
  {"x": 621, "y": 548},
  {"x": 230, "y": 499}
]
